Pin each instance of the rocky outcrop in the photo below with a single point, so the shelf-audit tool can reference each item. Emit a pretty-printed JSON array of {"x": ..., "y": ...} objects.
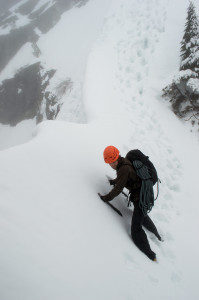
[
  {"x": 44, "y": 19},
  {"x": 22, "y": 96},
  {"x": 11, "y": 43},
  {"x": 5, "y": 5},
  {"x": 25, "y": 96}
]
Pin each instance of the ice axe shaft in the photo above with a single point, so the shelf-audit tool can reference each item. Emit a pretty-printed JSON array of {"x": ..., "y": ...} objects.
[{"x": 112, "y": 206}]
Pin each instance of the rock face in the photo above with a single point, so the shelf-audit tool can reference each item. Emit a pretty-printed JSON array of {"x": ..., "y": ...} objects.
[
  {"x": 24, "y": 96},
  {"x": 12, "y": 42},
  {"x": 21, "y": 95},
  {"x": 5, "y": 5}
]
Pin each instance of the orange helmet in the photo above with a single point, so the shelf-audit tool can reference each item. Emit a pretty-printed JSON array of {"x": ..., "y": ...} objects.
[{"x": 111, "y": 154}]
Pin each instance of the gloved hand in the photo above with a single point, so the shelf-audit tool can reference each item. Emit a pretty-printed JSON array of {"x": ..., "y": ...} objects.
[
  {"x": 111, "y": 181},
  {"x": 101, "y": 197}
]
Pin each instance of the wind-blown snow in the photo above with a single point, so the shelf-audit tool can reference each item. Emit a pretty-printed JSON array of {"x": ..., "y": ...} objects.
[{"x": 59, "y": 240}]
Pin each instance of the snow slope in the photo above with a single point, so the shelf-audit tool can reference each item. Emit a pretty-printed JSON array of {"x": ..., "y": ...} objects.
[{"x": 59, "y": 240}]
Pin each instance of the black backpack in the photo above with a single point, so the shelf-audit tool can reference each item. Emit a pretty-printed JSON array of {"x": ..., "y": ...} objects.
[
  {"x": 133, "y": 155},
  {"x": 148, "y": 174}
]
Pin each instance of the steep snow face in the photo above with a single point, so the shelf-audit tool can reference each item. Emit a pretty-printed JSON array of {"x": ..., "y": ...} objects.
[
  {"x": 73, "y": 37},
  {"x": 59, "y": 239},
  {"x": 72, "y": 47},
  {"x": 129, "y": 37}
]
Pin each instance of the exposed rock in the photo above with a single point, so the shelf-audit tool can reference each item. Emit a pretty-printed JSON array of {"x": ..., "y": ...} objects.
[
  {"x": 53, "y": 104},
  {"x": 26, "y": 95},
  {"x": 21, "y": 97},
  {"x": 43, "y": 18},
  {"x": 27, "y": 7},
  {"x": 5, "y": 5},
  {"x": 8, "y": 19},
  {"x": 11, "y": 43}
]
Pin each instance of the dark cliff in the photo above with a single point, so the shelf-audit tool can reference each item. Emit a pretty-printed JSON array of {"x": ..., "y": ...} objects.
[{"x": 21, "y": 97}]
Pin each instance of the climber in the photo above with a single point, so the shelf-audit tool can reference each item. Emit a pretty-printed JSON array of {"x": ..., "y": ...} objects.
[{"x": 128, "y": 178}]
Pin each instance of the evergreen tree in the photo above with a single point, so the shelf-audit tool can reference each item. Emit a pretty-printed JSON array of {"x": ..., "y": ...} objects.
[
  {"x": 190, "y": 41},
  {"x": 183, "y": 92}
]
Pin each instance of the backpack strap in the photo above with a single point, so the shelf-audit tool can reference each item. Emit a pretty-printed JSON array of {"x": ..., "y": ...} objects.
[{"x": 129, "y": 199}]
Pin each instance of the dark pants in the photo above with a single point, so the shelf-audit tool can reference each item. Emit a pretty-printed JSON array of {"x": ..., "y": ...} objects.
[{"x": 138, "y": 235}]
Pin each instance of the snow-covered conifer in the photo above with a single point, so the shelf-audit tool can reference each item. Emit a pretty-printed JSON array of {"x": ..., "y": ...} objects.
[
  {"x": 183, "y": 92},
  {"x": 190, "y": 42}
]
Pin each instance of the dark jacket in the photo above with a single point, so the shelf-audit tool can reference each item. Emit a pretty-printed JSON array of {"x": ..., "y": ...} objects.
[{"x": 126, "y": 177}]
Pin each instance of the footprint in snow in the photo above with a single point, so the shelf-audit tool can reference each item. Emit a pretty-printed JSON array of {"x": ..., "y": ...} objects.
[
  {"x": 165, "y": 206},
  {"x": 173, "y": 187},
  {"x": 153, "y": 279},
  {"x": 139, "y": 77},
  {"x": 141, "y": 90},
  {"x": 161, "y": 217},
  {"x": 130, "y": 262},
  {"x": 144, "y": 62},
  {"x": 128, "y": 70},
  {"x": 175, "y": 277},
  {"x": 139, "y": 53},
  {"x": 154, "y": 239},
  {"x": 168, "y": 254}
]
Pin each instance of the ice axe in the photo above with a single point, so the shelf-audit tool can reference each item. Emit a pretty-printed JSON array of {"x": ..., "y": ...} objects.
[{"x": 112, "y": 206}]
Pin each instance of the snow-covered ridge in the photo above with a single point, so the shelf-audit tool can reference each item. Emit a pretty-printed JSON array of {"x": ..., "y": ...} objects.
[{"x": 60, "y": 241}]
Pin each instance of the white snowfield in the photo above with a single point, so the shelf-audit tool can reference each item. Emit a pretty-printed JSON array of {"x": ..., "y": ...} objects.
[{"x": 58, "y": 239}]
